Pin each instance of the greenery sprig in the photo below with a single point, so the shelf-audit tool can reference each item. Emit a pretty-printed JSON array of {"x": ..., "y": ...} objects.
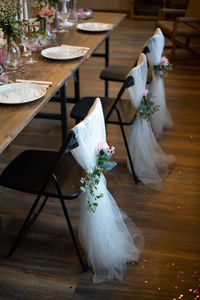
[
  {"x": 9, "y": 11},
  {"x": 147, "y": 107},
  {"x": 163, "y": 68},
  {"x": 91, "y": 180}
]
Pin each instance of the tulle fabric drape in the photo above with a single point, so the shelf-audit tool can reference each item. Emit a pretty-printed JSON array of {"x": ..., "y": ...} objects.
[
  {"x": 150, "y": 162},
  {"x": 103, "y": 234},
  {"x": 162, "y": 119}
]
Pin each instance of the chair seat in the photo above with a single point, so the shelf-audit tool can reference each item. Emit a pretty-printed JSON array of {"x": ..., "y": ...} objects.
[
  {"x": 115, "y": 73},
  {"x": 28, "y": 171},
  {"x": 81, "y": 108},
  {"x": 183, "y": 30}
]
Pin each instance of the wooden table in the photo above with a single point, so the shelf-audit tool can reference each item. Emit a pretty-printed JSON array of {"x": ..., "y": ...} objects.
[{"x": 13, "y": 118}]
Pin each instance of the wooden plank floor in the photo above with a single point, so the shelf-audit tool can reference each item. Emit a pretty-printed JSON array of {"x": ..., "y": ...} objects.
[{"x": 45, "y": 266}]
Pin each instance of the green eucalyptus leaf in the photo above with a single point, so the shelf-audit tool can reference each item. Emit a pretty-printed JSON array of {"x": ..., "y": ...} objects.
[{"x": 109, "y": 165}]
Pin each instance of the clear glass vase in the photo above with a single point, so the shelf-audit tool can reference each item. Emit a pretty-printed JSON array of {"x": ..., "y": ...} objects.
[
  {"x": 43, "y": 27},
  {"x": 45, "y": 36},
  {"x": 11, "y": 55}
]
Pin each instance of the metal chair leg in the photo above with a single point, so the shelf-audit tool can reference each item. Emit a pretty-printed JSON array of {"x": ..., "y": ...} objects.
[
  {"x": 83, "y": 266},
  {"x": 126, "y": 145},
  {"x": 27, "y": 224},
  {"x": 106, "y": 88},
  {"x": 77, "y": 86},
  {"x": 63, "y": 109}
]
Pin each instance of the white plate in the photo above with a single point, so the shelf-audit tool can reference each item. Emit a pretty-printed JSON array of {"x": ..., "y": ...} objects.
[
  {"x": 93, "y": 26},
  {"x": 18, "y": 93},
  {"x": 63, "y": 52}
]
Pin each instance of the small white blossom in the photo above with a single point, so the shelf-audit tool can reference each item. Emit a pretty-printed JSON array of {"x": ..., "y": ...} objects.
[{"x": 89, "y": 171}]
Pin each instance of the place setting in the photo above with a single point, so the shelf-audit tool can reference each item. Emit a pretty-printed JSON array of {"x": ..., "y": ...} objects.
[
  {"x": 64, "y": 52},
  {"x": 94, "y": 26},
  {"x": 19, "y": 93}
]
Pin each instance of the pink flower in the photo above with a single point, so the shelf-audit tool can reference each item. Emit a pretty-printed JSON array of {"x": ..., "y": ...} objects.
[
  {"x": 46, "y": 13},
  {"x": 103, "y": 146},
  {"x": 164, "y": 61},
  {"x": 145, "y": 92}
]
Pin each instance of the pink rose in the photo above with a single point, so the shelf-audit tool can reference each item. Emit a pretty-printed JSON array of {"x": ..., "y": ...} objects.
[
  {"x": 145, "y": 92},
  {"x": 164, "y": 61},
  {"x": 103, "y": 146}
]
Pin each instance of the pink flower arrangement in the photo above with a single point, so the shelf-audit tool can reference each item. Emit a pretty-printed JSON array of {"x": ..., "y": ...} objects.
[
  {"x": 43, "y": 10},
  {"x": 147, "y": 106},
  {"x": 163, "y": 67},
  {"x": 89, "y": 183}
]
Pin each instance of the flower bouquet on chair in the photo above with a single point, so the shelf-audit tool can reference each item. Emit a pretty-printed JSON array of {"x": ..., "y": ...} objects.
[
  {"x": 163, "y": 68},
  {"x": 92, "y": 178},
  {"x": 147, "y": 107}
]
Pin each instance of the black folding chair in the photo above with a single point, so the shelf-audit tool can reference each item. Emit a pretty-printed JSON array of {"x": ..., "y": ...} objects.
[
  {"x": 116, "y": 111},
  {"x": 117, "y": 73},
  {"x": 45, "y": 174}
]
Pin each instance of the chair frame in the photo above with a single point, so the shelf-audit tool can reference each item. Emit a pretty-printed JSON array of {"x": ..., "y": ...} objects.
[
  {"x": 69, "y": 144},
  {"x": 179, "y": 19},
  {"x": 127, "y": 83},
  {"x": 145, "y": 51}
]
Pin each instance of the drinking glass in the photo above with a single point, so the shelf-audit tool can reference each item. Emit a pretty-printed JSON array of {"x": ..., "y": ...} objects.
[
  {"x": 72, "y": 11},
  {"x": 30, "y": 43},
  {"x": 63, "y": 14},
  {"x": 67, "y": 14}
]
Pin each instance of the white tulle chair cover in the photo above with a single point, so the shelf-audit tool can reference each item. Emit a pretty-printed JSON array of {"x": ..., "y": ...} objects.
[
  {"x": 162, "y": 119},
  {"x": 150, "y": 162},
  {"x": 103, "y": 234}
]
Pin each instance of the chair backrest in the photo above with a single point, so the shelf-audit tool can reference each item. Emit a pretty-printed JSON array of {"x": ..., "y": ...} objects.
[
  {"x": 193, "y": 9},
  {"x": 89, "y": 133},
  {"x": 139, "y": 76},
  {"x": 156, "y": 46},
  {"x": 149, "y": 50},
  {"x": 130, "y": 82},
  {"x": 69, "y": 144}
]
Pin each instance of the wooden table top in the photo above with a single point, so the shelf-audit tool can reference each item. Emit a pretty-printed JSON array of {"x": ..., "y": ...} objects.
[{"x": 13, "y": 118}]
